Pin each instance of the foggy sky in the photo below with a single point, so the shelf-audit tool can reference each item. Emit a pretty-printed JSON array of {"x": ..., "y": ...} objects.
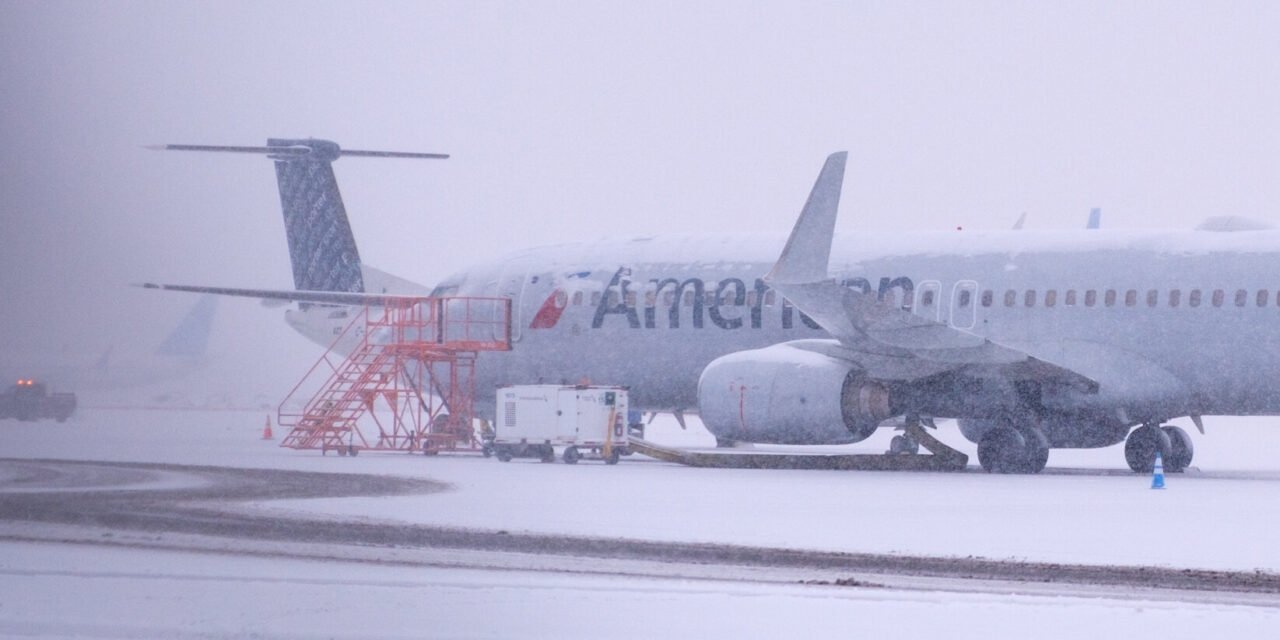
[{"x": 579, "y": 120}]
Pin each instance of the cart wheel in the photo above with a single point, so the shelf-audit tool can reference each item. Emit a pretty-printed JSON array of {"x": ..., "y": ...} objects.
[
  {"x": 504, "y": 454},
  {"x": 549, "y": 454},
  {"x": 614, "y": 455},
  {"x": 571, "y": 455}
]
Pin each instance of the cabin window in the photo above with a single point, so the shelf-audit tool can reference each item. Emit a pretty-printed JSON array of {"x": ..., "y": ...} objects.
[
  {"x": 1153, "y": 298},
  {"x": 1194, "y": 298},
  {"x": 1262, "y": 297},
  {"x": 1175, "y": 297},
  {"x": 751, "y": 298},
  {"x": 1218, "y": 297},
  {"x": 1242, "y": 297},
  {"x": 1090, "y": 298},
  {"x": 1110, "y": 298},
  {"x": 769, "y": 298},
  {"x": 1010, "y": 298},
  {"x": 1070, "y": 300},
  {"x": 688, "y": 298},
  {"x": 709, "y": 297},
  {"x": 1030, "y": 298},
  {"x": 926, "y": 298},
  {"x": 577, "y": 297},
  {"x": 966, "y": 297},
  {"x": 630, "y": 298},
  {"x": 595, "y": 298},
  {"x": 650, "y": 298},
  {"x": 1051, "y": 297},
  {"x": 986, "y": 298},
  {"x": 669, "y": 298},
  {"x": 1130, "y": 298}
]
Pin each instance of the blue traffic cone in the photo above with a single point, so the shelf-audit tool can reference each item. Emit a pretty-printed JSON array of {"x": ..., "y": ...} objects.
[{"x": 1157, "y": 476}]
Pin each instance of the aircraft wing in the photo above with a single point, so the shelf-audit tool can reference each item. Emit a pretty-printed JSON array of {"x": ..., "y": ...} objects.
[
  {"x": 888, "y": 341},
  {"x": 292, "y": 295}
]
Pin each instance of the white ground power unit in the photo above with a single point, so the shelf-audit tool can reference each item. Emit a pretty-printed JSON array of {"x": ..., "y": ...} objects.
[{"x": 583, "y": 420}]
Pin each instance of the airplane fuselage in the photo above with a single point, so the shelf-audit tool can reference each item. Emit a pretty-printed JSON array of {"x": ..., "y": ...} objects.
[{"x": 1169, "y": 323}]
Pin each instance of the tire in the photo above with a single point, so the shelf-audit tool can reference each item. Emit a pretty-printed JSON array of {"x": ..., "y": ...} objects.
[
  {"x": 1036, "y": 451},
  {"x": 1000, "y": 450},
  {"x": 902, "y": 445},
  {"x": 353, "y": 451},
  {"x": 571, "y": 455},
  {"x": 1141, "y": 446},
  {"x": 503, "y": 454},
  {"x": 1181, "y": 450},
  {"x": 549, "y": 454},
  {"x": 613, "y": 457}
]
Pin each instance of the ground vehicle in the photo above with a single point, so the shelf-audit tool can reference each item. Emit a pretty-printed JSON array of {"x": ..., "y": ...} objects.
[
  {"x": 534, "y": 419},
  {"x": 29, "y": 400}
]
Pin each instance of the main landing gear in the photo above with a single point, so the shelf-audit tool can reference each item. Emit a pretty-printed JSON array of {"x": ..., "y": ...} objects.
[
  {"x": 1010, "y": 450},
  {"x": 1173, "y": 444}
]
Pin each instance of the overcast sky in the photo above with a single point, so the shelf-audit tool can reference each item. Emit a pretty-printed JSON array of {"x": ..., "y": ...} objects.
[{"x": 577, "y": 120}]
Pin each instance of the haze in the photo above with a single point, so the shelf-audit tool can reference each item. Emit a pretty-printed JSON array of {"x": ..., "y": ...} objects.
[{"x": 578, "y": 120}]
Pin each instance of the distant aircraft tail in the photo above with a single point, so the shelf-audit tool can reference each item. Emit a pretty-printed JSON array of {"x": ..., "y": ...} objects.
[
  {"x": 321, "y": 245},
  {"x": 190, "y": 339}
]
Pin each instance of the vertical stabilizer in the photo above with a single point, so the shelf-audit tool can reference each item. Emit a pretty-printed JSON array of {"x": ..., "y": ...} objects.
[
  {"x": 321, "y": 245},
  {"x": 190, "y": 339}
]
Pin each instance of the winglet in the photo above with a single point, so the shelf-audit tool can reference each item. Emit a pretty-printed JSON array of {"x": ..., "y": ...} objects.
[{"x": 808, "y": 250}]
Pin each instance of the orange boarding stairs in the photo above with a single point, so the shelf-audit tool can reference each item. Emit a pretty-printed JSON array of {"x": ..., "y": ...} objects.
[{"x": 405, "y": 383}]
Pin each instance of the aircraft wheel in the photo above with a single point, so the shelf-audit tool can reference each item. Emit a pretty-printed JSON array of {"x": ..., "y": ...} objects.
[
  {"x": 1001, "y": 450},
  {"x": 1181, "y": 450},
  {"x": 1035, "y": 455},
  {"x": 1141, "y": 446},
  {"x": 571, "y": 455},
  {"x": 904, "y": 445}
]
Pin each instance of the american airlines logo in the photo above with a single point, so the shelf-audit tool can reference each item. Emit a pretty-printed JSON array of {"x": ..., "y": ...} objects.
[{"x": 667, "y": 302}]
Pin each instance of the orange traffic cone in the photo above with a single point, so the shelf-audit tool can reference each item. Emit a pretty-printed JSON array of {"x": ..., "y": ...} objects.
[{"x": 266, "y": 431}]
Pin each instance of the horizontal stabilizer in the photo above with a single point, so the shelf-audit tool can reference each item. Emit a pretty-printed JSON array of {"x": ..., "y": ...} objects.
[
  {"x": 298, "y": 151},
  {"x": 290, "y": 295}
]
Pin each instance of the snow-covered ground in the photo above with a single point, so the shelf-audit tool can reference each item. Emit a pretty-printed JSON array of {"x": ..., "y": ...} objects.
[
  {"x": 1084, "y": 510},
  {"x": 53, "y": 591}
]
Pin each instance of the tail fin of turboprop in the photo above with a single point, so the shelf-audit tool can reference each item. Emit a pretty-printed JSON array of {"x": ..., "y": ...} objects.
[{"x": 321, "y": 245}]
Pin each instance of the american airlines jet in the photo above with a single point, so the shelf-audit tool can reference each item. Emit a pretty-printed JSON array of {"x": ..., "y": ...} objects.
[{"x": 1031, "y": 340}]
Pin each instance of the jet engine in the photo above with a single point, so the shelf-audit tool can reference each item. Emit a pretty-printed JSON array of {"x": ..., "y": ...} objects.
[{"x": 783, "y": 394}]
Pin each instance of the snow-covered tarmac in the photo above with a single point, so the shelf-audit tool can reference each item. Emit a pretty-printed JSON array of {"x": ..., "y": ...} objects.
[{"x": 1219, "y": 516}]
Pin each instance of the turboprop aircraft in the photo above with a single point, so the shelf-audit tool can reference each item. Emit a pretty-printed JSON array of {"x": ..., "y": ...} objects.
[{"x": 1030, "y": 340}]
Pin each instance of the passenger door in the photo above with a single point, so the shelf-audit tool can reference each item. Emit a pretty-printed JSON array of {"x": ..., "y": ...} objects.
[{"x": 964, "y": 302}]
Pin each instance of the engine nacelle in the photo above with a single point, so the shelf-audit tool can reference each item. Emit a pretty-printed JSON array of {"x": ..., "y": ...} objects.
[{"x": 783, "y": 394}]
